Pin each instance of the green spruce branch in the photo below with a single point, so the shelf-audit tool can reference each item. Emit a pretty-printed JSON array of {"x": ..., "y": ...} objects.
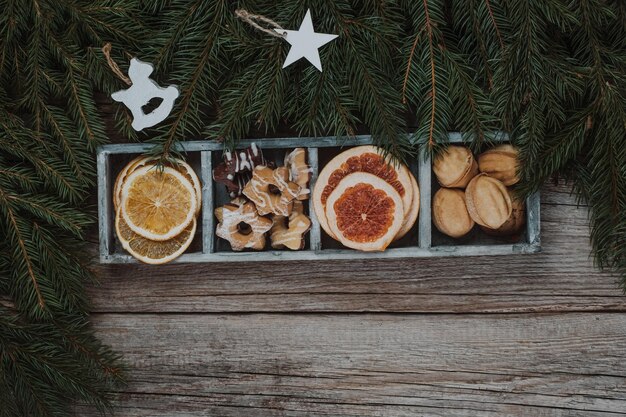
[{"x": 49, "y": 129}]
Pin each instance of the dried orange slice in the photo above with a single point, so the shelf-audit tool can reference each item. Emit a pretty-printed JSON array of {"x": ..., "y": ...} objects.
[
  {"x": 191, "y": 175},
  {"x": 149, "y": 251},
  {"x": 119, "y": 181},
  {"x": 365, "y": 212},
  {"x": 360, "y": 159},
  {"x": 158, "y": 204},
  {"x": 410, "y": 217},
  {"x": 140, "y": 161}
]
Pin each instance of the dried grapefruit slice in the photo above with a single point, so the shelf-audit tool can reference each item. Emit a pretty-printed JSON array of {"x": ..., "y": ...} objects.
[
  {"x": 158, "y": 204},
  {"x": 149, "y": 251},
  {"x": 360, "y": 159},
  {"x": 411, "y": 217},
  {"x": 364, "y": 212}
]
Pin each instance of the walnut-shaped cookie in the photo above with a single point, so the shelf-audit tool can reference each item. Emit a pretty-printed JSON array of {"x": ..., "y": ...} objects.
[
  {"x": 516, "y": 221},
  {"x": 501, "y": 163},
  {"x": 242, "y": 226},
  {"x": 488, "y": 201},
  {"x": 288, "y": 232},
  {"x": 455, "y": 167},
  {"x": 299, "y": 171},
  {"x": 271, "y": 191},
  {"x": 449, "y": 214}
]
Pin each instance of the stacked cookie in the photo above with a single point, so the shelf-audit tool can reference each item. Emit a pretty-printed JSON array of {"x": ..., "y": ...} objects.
[
  {"x": 475, "y": 192},
  {"x": 364, "y": 200},
  {"x": 265, "y": 200},
  {"x": 156, "y": 207}
]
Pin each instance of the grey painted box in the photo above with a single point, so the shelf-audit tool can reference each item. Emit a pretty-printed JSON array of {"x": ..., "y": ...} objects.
[{"x": 422, "y": 241}]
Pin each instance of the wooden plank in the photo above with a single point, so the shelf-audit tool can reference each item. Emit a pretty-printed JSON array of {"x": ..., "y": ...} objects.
[
  {"x": 559, "y": 194},
  {"x": 561, "y": 278},
  {"x": 374, "y": 365}
]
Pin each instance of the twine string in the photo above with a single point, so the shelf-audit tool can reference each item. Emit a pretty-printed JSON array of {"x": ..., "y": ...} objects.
[
  {"x": 254, "y": 19},
  {"x": 106, "y": 50}
]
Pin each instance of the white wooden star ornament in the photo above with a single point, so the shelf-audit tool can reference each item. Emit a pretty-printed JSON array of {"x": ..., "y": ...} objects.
[
  {"x": 305, "y": 42},
  {"x": 143, "y": 89}
]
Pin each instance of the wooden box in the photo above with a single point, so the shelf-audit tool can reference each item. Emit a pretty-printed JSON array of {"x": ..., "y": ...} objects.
[{"x": 423, "y": 241}]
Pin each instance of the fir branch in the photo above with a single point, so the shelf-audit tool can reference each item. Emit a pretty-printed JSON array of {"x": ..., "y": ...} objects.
[
  {"x": 409, "y": 65},
  {"x": 532, "y": 78},
  {"x": 441, "y": 88},
  {"x": 495, "y": 24},
  {"x": 196, "y": 65},
  {"x": 433, "y": 83},
  {"x": 50, "y": 210},
  {"x": 240, "y": 102},
  {"x": 71, "y": 364},
  {"x": 477, "y": 34},
  {"x": 49, "y": 127},
  {"x": 21, "y": 255},
  {"x": 18, "y": 176},
  {"x": 60, "y": 127},
  {"x": 369, "y": 47},
  {"x": 178, "y": 123},
  {"x": 15, "y": 138}
]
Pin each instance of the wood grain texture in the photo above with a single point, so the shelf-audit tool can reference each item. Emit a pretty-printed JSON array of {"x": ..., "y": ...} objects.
[
  {"x": 561, "y": 278},
  {"x": 370, "y": 364},
  {"x": 539, "y": 335}
]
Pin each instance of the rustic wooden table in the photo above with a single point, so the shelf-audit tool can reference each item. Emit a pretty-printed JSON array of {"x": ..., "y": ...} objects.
[{"x": 528, "y": 335}]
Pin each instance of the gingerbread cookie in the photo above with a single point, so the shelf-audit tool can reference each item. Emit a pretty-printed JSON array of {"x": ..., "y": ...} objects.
[
  {"x": 235, "y": 171},
  {"x": 239, "y": 201},
  {"x": 271, "y": 191},
  {"x": 288, "y": 232},
  {"x": 299, "y": 171},
  {"x": 242, "y": 226}
]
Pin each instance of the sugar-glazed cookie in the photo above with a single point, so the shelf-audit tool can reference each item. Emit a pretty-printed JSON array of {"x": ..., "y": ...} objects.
[
  {"x": 288, "y": 232},
  {"x": 299, "y": 171},
  {"x": 235, "y": 171},
  {"x": 271, "y": 191},
  {"x": 242, "y": 226}
]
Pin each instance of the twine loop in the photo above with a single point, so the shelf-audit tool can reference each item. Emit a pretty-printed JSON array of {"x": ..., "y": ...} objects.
[
  {"x": 254, "y": 19},
  {"x": 106, "y": 50}
]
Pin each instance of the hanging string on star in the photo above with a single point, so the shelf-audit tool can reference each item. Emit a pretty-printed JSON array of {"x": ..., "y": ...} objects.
[
  {"x": 305, "y": 42},
  {"x": 253, "y": 19}
]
